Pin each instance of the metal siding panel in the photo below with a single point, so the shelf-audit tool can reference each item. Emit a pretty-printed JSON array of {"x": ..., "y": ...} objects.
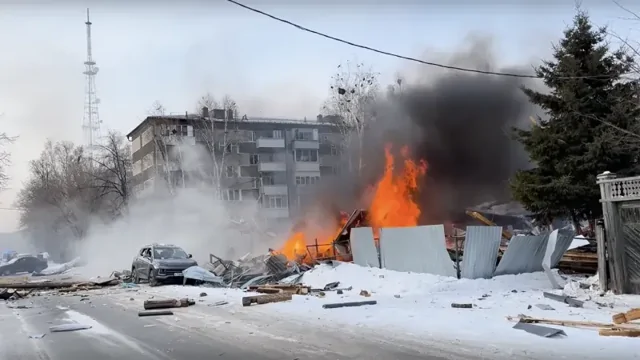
[
  {"x": 418, "y": 249},
  {"x": 363, "y": 247},
  {"x": 480, "y": 255},
  {"x": 523, "y": 255},
  {"x": 564, "y": 240}
]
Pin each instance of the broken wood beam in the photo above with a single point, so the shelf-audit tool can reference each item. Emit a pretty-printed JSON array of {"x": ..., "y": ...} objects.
[
  {"x": 625, "y": 317},
  {"x": 349, "y": 304},
  {"x": 266, "y": 299},
  {"x": 167, "y": 303},
  {"x": 154, "y": 313},
  {"x": 40, "y": 285},
  {"x": 619, "y": 332},
  {"x": 268, "y": 290}
]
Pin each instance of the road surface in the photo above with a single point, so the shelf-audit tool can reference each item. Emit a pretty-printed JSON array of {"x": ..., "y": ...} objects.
[{"x": 197, "y": 332}]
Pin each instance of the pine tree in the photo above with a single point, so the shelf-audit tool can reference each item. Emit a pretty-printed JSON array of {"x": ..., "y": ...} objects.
[{"x": 588, "y": 104}]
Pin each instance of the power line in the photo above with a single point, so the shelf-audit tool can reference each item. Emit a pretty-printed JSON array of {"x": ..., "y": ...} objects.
[
  {"x": 10, "y": 209},
  {"x": 449, "y": 67}
]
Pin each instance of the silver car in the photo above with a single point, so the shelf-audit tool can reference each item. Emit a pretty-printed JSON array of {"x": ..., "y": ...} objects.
[{"x": 158, "y": 263}]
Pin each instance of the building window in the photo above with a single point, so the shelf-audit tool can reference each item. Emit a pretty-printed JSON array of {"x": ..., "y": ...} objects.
[
  {"x": 277, "y": 134},
  {"x": 231, "y": 195},
  {"x": 253, "y": 159},
  {"x": 254, "y": 183},
  {"x": 334, "y": 150},
  {"x": 303, "y": 135},
  {"x": 275, "y": 202},
  {"x": 232, "y": 148},
  {"x": 230, "y": 171},
  {"x": 307, "y": 180},
  {"x": 252, "y": 136},
  {"x": 267, "y": 180},
  {"x": 307, "y": 155}
]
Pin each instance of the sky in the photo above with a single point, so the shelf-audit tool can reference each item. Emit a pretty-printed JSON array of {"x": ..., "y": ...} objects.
[{"x": 154, "y": 51}]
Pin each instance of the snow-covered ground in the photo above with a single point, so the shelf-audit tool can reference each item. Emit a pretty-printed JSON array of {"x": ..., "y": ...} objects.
[{"x": 419, "y": 305}]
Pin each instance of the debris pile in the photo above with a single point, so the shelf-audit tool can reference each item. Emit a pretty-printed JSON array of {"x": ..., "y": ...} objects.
[
  {"x": 250, "y": 271},
  {"x": 16, "y": 289}
]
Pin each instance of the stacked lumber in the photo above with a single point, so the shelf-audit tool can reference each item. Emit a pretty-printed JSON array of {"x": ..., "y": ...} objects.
[{"x": 579, "y": 262}]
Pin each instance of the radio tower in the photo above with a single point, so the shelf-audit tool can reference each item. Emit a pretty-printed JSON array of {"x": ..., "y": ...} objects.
[{"x": 91, "y": 119}]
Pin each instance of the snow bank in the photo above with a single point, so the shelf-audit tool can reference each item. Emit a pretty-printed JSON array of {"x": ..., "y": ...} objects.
[{"x": 412, "y": 306}]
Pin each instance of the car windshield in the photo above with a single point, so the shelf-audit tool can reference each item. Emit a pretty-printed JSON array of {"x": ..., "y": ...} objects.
[{"x": 165, "y": 253}]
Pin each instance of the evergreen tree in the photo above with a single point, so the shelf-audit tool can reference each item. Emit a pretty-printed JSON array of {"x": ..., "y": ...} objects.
[{"x": 588, "y": 107}]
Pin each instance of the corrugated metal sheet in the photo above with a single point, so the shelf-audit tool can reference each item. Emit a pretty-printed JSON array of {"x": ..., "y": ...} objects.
[
  {"x": 523, "y": 255},
  {"x": 563, "y": 241},
  {"x": 363, "y": 247},
  {"x": 418, "y": 249},
  {"x": 552, "y": 242},
  {"x": 481, "y": 246}
]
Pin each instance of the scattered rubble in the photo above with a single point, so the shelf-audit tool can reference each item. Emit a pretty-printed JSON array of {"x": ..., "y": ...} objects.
[
  {"x": 461, "y": 306},
  {"x": 564, "y": 299},
  {"x": 349, "y": 304}
]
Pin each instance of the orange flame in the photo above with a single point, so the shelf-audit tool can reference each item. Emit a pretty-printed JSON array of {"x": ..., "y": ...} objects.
[{"x": 391, "y": 205}]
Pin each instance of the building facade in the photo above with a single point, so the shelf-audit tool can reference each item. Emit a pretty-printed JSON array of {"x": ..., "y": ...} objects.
[{"x": 270, "y": 161}]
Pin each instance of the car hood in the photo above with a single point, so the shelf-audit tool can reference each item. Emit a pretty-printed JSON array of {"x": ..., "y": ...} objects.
[{"x": 175, "y": 263}]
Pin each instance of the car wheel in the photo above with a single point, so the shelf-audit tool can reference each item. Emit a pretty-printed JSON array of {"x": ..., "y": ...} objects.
[
  {"x": 134, "y": 276},
  {"x": 152, "y": 279}
]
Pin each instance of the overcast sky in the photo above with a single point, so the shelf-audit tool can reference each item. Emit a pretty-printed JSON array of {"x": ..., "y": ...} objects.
[{"x": 149, "y": 51}]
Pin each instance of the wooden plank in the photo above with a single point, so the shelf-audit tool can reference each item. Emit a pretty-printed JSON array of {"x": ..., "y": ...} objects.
[{"x": 603, "y": 273}]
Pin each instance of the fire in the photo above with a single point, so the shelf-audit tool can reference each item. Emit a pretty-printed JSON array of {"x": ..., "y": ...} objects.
[{"x": 391, "y": 205}]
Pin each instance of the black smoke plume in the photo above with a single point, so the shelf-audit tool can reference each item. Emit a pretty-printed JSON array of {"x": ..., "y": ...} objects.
[{"x": 462, "y": 125}]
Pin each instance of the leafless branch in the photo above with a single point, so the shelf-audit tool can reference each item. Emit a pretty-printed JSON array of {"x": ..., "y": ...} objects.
[
  {"x": 5, "y": 158},
  {"x": 352, "y": 94}
]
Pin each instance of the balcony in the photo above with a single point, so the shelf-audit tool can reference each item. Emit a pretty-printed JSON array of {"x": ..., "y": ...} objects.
[
  {"x": 269, "y": 166},
  {"x": 306, "y": 144},
  {"x": 270, "y": 143},
  {"x": 272, "y": 213},
  {"x": 179, "y": 140},
  {"x": 275, "y": 190},
  {"x": 307, "y": 166}
]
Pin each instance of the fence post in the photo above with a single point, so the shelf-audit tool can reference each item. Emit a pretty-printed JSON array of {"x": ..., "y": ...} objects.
[{"x": 603, "y": 273}]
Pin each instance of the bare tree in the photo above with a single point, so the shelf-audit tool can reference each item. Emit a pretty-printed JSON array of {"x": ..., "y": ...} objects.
[
  {"x": 352, "y": 94},
  {"x": 207, "y": 100},
  {"x": 220, "y": 138},
  {"x": 112, "y": 173},
  {"x": 5, "y": 158},
  {"x": 58, "y": 199},
  {"x": 157, "y": 109}
]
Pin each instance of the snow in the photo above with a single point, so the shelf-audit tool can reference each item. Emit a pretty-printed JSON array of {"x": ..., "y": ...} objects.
[
  {"x": 578, "y": 241},
  {"x": 415, "y": 306}
]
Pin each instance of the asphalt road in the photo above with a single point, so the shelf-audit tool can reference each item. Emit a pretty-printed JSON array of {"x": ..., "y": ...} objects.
[{"x": 192, "y": 333}]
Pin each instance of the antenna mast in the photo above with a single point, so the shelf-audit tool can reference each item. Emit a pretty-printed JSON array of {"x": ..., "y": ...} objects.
[{"x": 91, "y": 119}]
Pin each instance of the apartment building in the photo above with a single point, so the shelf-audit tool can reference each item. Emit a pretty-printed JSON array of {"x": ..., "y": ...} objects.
[{"x": 275, "y": 162}]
